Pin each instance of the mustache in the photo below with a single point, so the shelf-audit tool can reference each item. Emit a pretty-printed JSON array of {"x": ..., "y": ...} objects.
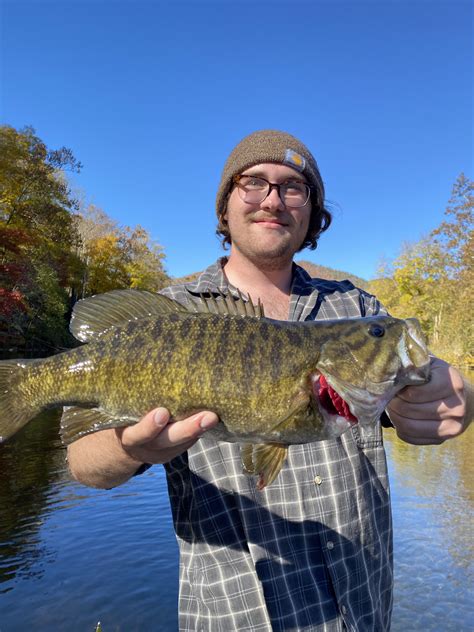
[{"x": 271, "y": 217}]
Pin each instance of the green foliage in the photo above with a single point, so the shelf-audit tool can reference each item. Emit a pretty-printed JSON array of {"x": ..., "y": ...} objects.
[
  {"x": 52, "y": 252},
  {"x": 38, "y": 265},
  {"x": 433, "y": 280}
]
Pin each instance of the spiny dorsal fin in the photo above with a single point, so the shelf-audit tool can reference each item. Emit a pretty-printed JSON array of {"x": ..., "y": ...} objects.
[
  {"x": 228, "y": 305},
  {"x": 93, "y": 316},
  {"x": 263, "y": 459}
]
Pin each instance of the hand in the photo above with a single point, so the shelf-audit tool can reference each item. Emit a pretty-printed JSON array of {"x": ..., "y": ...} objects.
[
  {"x": 155, "y": 440},
  {"x": 432, "y": 412}
]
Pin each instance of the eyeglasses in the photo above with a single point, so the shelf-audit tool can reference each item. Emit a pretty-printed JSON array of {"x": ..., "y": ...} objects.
[{"x": 254, "y": 190}]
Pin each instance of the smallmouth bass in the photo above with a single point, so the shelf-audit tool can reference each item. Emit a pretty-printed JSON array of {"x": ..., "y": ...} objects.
[{"x": 271, "y": 383}]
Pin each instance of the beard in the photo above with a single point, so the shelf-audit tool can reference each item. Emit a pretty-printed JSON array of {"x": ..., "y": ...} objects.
[{"x": 268, "y": 258}]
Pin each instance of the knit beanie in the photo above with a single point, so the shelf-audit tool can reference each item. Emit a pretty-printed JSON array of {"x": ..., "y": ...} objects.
[{"x": 270, "y": 146}]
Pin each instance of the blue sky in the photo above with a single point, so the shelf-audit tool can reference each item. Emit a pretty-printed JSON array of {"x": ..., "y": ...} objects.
[{"x": 152, "y": 96}]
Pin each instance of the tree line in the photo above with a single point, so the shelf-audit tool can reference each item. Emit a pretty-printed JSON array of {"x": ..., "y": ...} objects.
[
  {"x": 55, "y": 250},
  {"x": 433, "y": 280}
]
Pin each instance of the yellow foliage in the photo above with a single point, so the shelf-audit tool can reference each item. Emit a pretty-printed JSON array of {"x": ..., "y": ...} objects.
[{"x": 433, "y": 280}]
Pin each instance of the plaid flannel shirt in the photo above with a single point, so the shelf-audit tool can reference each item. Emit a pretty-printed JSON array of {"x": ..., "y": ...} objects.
[{"x": 313, "y": 551}]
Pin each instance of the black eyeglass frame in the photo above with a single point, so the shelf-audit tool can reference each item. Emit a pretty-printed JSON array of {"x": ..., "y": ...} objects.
[{"x": 271, "y": 185}]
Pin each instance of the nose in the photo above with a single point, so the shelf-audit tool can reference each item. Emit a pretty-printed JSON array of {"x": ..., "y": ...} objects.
[{"x": 273, "y": 199}]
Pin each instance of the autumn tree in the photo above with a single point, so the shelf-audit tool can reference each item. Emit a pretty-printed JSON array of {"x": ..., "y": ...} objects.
[
  {"x": 144, "y": 260},
  {"x": 38, "y": 264},
  {"x": 455, "y": 237},
  {"x": 433, "y": 280},
  {"x": 53, "y": 251},
  {"x": 115, "y": 257}
]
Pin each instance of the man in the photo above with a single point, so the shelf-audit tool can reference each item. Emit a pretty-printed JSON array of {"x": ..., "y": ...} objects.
[{"x": 313, "y": 551}]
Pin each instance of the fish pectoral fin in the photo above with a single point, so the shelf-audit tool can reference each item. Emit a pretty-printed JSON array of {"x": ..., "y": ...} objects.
[
  {"x": 300, "y": 410},
  {"x": 78, "y": 422},
  {"x": 264, "y": 460}
]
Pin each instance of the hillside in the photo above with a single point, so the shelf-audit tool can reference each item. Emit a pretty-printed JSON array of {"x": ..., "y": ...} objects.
[
  {"x": 322, "y": 272},
  {"x": 313, "y": 269}
]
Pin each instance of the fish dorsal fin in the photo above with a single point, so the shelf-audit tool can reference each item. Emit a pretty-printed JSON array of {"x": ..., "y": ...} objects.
[
  {"x": 93, "y": 316},
  {"x": 227, "y": 304}
]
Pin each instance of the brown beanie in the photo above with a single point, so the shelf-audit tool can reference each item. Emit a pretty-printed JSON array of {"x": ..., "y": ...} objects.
[
  {"x": 279, "y": 147},
  {"x": 269, "y": 146}
]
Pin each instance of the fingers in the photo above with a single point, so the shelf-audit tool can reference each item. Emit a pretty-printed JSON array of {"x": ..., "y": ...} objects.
[
  {"x": 154, "y": 439},
  {"x": 146, "y": 429},
  {"x": 189, "y": 429},
  {"x": 445, "y": 382},
  {"x": 432, "y": 412},
  {"x": 436, "y": 409},
  {"x": 425, "y": 431}
]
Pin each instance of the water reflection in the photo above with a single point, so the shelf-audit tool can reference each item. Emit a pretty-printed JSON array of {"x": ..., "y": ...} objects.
[
  {"x": 442, "y": 478},
  {"x": 432, "y": 503},
  {"x": 31, "y": 465},
  {"x": 77, "y": 555}
]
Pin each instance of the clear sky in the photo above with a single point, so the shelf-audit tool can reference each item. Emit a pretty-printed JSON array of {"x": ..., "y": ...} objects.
[{"x": 152, "y": 96}]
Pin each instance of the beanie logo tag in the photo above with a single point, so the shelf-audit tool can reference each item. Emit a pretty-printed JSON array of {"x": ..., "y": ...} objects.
[{"x": 294, "y": 160}]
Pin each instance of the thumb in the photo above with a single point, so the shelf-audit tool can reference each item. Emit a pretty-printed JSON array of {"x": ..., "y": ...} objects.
[{"x": 147, "y": 429}]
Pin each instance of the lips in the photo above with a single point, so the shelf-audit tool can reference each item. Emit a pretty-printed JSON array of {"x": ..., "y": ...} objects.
[{"x": 269, "y": 220}]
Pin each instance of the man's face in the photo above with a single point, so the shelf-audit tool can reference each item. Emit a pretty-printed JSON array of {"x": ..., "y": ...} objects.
[{"x": 268, "y": 233}]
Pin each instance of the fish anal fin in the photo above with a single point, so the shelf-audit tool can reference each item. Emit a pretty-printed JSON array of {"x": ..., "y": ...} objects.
[
  {"x": 264, "y": 460},
  {"x": 78, "y": 422}
]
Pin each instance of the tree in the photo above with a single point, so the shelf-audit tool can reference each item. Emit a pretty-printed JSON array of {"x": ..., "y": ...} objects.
[
  {"x": 117, "y": 258},
  {"x": 433, "y": 280},
  {"x": 38, "y": 263},
  {"x": 33, "y": 190},
  {"x": 456, "y": 234},
  {"x": 144, "y": 260},
  {"x": 53, "y": 251}
]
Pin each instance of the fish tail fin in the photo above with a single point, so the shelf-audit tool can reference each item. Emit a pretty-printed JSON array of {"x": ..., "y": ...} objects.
[{"x": 15, "y": 410}]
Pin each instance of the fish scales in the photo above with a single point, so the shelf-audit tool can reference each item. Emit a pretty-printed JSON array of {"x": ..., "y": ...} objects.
[{"x": 260, "y": 376}]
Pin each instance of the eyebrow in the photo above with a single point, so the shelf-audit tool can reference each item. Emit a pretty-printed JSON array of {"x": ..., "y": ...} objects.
[{"x": 262, "y": 174}]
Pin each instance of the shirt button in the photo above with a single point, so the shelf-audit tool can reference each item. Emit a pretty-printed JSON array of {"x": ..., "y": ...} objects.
[
  {"x": 343, "y": 609},
  {"x": 330, "y": 544},
  {"x": 318, "y": 480}
]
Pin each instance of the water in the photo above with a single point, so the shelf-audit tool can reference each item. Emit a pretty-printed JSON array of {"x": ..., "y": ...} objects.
[{"x": 72, "y": 556}]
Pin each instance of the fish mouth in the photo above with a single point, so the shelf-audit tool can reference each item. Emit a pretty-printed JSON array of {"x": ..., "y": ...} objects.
[
  {"x": 358, "y": 406},
  {"x": 330, "y": 401}
]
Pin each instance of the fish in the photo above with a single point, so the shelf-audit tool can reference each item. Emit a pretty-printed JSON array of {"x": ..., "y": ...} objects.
[{"x": 272, "y": 383}]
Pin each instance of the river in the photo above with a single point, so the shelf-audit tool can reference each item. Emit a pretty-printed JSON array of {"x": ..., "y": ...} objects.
[{"x": 72, "y": 556}]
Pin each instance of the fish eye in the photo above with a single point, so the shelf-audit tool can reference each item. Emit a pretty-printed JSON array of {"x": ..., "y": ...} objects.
[{"x": 376, "y": 330}]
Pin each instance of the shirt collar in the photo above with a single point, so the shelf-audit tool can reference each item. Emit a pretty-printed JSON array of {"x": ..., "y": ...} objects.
[{"x": 303, "y": 291}]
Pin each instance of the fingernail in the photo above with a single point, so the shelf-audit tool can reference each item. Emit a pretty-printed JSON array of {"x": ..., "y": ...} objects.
[
  {"x": 160, "y": 418},
  {"x": 207, "y": 421}
]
